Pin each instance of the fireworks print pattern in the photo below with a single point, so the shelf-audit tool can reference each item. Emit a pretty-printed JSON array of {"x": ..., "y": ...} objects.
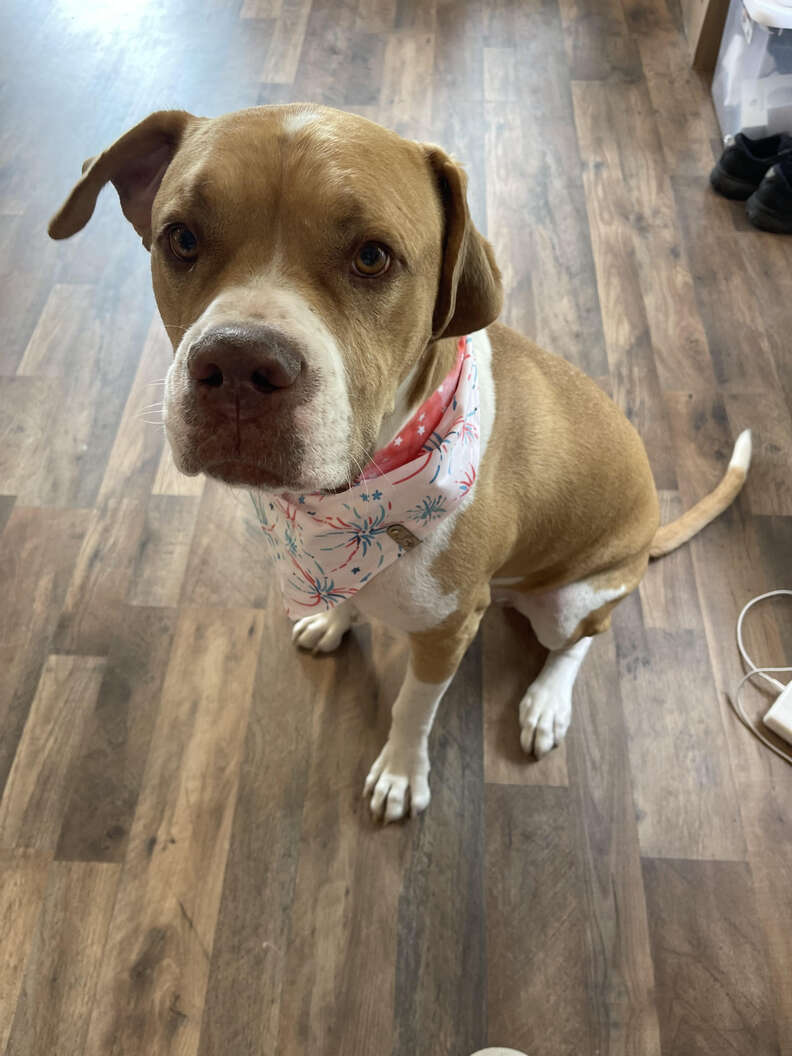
[{"x": 325, "y": 548}]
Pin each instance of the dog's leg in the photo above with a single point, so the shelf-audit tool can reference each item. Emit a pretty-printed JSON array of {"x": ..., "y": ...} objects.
[
  {"x": 546, "y": 708},
  {"x": 398, "y": 782},
  {"x": 322, "y": 632}
]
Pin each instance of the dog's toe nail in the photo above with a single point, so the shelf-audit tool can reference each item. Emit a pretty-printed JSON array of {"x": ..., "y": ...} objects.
[
  {"x": 395, "y": 808},
  {"x": 527, "y": 739},
  {"x": 560, "y": 728}
]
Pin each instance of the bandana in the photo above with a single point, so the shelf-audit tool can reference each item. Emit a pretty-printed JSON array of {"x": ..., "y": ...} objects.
[{"x": 326, "y": 547}]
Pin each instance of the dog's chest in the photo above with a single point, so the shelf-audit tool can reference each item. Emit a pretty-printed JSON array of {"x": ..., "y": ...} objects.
[{"x": 407, "y": 595}]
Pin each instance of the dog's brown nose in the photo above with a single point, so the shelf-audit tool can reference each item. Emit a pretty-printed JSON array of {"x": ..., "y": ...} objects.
[{"x": 238, "y": 360}]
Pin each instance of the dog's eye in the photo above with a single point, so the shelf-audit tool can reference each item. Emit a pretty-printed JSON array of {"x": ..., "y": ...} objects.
[
  {"x": 371, "y": 260},
  {"x": 183, "y": 242}
]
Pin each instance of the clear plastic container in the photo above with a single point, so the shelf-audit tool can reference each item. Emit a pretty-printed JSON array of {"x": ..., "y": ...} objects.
[{"x": 752, "y": 87}]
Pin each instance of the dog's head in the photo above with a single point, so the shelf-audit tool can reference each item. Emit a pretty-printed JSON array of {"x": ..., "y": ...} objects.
[{"x": 304, "y": 261}]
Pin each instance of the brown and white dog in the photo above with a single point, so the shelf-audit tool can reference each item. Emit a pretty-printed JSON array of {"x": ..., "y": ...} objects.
[{"x": 314, "y": 271}]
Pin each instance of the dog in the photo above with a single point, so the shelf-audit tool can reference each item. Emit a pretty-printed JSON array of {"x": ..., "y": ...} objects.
[{"x": 326, "y": 293}]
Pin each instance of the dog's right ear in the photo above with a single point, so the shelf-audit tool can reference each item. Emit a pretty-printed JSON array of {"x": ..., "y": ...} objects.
[
  {"x": 135, "y": 164},
  {"x": 470, "y": 293}
]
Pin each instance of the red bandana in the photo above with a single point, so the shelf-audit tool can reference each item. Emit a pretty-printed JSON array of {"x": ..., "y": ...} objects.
[{"x": 410, "y": 440}]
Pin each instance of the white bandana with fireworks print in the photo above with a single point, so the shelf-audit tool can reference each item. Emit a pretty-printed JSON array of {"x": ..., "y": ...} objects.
[{"x": 326, "y": 547}]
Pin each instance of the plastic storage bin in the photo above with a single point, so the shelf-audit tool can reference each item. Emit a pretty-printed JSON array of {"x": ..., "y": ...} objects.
[{"x": 752, "y": 87}]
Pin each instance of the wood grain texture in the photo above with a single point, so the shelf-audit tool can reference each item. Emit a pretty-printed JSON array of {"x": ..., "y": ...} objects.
[
  {"x": 766, "y": 820},
  {"x": 619, "y": 968},
  {"x": 286, "y": 42},
  {"x": 549, "y": 273},
  {"x": 739, "y": 340},
  {"x": 6, "y": 506},
  {"x": 163, "y": 550},
  {"x": 164, "y": 917},
  {"x": 684, "y": 790},
  {"x": 209, "y": 881},
  {"x": 23, "y": 878},
  {"x": 28, "y": 405},
  {"x": 89, "y": 388},
  {"x": 680, "y": 94},
  {"x": 31, "y": 809},
  {"x": 405, "y": 100},
  {"x": 63, "y": 965},
  {"x": 137, "y": 451},
  {"x": 243, "y": 1000},
  {"x": 536, "y": 981},
  {"x": 633, "y": 372},
  {"x": 703, "y": 922},
  {"x": 95, "y": 603},
  {"x": 108, "y": 771},
  {"x": 599, "y": 45},
  {"x": 226, "y": 565},
  {"x": 37, "y": 552}
]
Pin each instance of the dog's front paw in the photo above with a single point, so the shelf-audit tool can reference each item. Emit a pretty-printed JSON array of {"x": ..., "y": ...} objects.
[
  {"x": 323, "y": 632},
  {"x": 545, "y": 714},
  {"x": 398, "y": 782}
]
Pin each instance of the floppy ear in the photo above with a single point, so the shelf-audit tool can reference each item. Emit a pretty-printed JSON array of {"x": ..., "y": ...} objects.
[
  {"x": 135, "y": 164},
  {"x": 470, "y": 294}
]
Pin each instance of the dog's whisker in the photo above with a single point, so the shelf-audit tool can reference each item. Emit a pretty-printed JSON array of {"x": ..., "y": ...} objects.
[
  {"x": 359, "y": 467},
  {"x": 369, "y": 461}
]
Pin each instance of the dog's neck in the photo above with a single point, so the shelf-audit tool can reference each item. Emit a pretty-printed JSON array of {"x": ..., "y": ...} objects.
[{"x": 431, "y": 369}]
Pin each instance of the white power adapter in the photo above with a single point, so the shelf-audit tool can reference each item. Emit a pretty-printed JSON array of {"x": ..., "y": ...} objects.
[{"x": 779, "y": 717}]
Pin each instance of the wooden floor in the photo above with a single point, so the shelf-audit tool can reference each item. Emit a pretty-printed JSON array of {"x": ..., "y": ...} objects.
[{"x": 186, "y": 863}]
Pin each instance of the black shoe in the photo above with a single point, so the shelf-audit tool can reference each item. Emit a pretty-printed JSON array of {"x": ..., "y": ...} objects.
[
  {"x": 745, "y": 161},
  {"x": 770, "y": 206}
]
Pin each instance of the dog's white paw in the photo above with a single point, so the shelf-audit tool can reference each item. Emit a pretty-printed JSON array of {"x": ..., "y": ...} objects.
[
  {"x": 322, "y": 633},
  {"x": 398, "y": 782},
  {"x": 545, "y": 714}
]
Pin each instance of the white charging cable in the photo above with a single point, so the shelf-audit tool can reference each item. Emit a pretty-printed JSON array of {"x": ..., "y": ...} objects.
[{"x": 762, "y": 672}]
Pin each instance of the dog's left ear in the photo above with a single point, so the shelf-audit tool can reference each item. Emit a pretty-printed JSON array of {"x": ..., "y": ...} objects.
[
  {"x": 470, "y": 294},
  {"x": 135, "y": 164}
]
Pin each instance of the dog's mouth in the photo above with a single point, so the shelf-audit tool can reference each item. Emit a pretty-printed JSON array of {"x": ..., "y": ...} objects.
[
  {"x": 278, "y": 471},
  {"x": 244, "y": 472}
]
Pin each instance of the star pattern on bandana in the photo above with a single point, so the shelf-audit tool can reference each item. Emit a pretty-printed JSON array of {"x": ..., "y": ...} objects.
[{"x": 416, "y": 436}]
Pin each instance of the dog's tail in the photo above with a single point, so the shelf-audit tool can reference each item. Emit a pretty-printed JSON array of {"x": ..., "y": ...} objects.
[{"x": 670, "y": 536}]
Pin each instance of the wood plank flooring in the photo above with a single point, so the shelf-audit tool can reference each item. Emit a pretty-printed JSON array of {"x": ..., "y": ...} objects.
[{"x": 186, "y": 863}]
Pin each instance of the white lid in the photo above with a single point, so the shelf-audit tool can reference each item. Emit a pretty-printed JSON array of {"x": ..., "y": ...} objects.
[{"x": 777, "y": 13}]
